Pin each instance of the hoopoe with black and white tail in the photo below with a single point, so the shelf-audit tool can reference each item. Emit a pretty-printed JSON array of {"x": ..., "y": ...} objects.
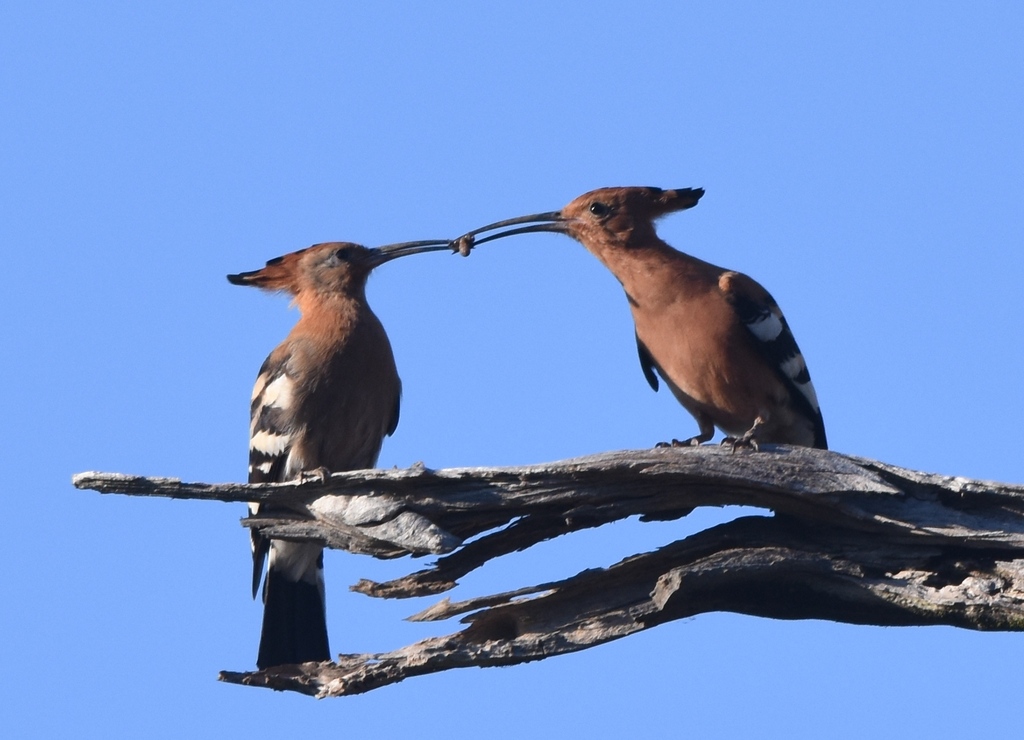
[
  {"x": 715, "y": 336},
  {"x": 325, "y": 398}
]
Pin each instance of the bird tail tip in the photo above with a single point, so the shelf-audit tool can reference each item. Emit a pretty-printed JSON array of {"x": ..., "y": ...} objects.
[{"x": 294, "y": 623}]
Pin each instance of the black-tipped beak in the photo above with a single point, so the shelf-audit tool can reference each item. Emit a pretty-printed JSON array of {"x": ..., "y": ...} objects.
[
  {"x": 550, "y": 221},
  {"x": 389, "y": 252}
]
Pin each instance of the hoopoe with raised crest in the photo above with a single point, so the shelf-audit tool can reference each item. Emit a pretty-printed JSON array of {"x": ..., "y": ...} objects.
[
  {"x": 324, "y": 400},
  {"x": 715, "y": 336}
]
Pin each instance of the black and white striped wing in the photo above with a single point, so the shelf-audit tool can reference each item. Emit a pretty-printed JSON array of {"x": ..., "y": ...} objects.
[
  {"x": 763, "y": 318},
  {"x": 272, "y": 434}
]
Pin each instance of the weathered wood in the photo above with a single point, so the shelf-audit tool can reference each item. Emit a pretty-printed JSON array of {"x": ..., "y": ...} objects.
[{"x": 853, "y": 540}]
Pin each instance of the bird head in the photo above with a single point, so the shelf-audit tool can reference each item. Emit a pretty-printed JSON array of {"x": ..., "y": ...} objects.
[
  {"x": 329, "y": 268},
  {"x": 622, "y": 216}
]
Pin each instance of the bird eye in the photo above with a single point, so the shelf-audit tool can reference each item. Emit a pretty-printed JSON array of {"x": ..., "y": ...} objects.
[
  {"x": 599, "y": 209},
  {"x": 343, "y": 254}
]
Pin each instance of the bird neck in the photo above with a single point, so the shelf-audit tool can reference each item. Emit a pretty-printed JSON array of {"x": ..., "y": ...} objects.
[
  {"x": 332, "y": 319},
  {"x": 651, "y": 274}
]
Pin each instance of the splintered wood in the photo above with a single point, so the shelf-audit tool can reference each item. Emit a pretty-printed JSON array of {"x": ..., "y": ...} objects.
[{"x": 853, "y": 540}]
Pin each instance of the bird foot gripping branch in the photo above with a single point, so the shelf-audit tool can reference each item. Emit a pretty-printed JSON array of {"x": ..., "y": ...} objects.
[
  {"x": 691, "y": 442},
  {"x": 320, "y": 475},
  {"x": 746, "y": 440}
]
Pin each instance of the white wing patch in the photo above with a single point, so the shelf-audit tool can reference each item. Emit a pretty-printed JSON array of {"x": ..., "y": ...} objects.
[
  {"x": 257, "y": 388},
  {"x": 794, "y": 368},
  {"x": 278, "y": 394},
  {"x": 270, "y": 444},
  {"x": 767, "y": 326}
]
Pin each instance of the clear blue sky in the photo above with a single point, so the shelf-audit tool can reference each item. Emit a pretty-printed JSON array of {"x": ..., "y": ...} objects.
[{"x": 863, "y": 162}]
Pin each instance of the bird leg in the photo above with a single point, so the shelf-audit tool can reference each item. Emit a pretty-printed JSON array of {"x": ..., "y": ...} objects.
[
  {"x": 748, "y": 438},
  {"x": 318, "y": 474}
]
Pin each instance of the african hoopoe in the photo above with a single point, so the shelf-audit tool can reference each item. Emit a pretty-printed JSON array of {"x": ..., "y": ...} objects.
[
  {"x": 324, "y": 399},
  {"x": 715, "y": 336}
]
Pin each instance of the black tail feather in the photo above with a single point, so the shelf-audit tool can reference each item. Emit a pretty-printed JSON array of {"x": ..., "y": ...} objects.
[{"x": 294, "y": 623}]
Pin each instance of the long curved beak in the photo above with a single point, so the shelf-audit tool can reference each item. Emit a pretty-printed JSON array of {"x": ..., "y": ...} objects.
[
  {"x": 550, "y": 221},
  {"x": 388, "y": 252}
]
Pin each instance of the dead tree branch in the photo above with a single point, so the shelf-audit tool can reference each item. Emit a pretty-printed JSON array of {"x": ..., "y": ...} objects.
[{"x": 853, "y": 540}]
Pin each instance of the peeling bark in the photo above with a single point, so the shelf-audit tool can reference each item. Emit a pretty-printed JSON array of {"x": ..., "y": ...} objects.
[{"x": 852, "y": 540}]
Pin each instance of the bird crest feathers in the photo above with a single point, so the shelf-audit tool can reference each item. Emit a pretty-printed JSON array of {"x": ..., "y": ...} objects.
[{"x": 280, "y": 273}]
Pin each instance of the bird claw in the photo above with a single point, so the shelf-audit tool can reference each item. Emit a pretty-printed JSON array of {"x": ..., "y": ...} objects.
[
  {"x": 320, "y": 474},
  {"x": 691, "y": 442},
  {"x": 746, "y": 440}
]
